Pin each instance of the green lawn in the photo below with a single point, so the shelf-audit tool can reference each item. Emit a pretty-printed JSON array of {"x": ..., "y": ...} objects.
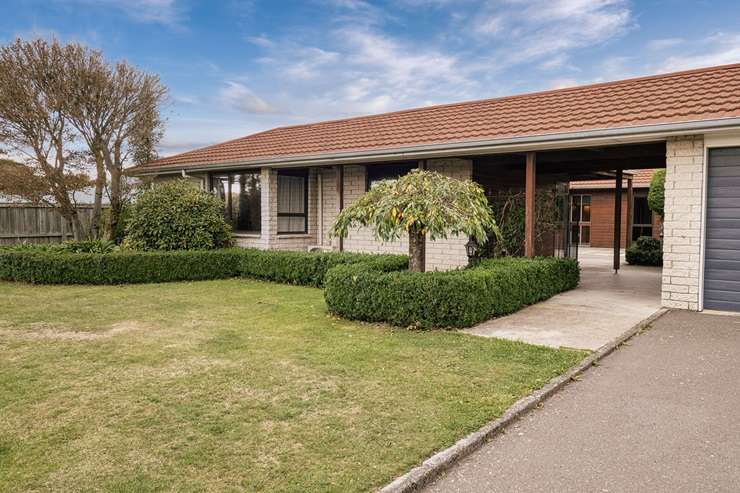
[{"x": 233, "y": 385}]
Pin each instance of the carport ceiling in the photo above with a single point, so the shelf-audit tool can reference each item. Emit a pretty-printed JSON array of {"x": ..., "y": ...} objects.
[{"x": 584, "y": 162}]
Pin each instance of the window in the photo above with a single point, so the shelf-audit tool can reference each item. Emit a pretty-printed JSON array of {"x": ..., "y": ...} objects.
[
  {"x": 580, "y": 218},
  {"x": 292, "y": 198},
  {"x": 642, "y": 217},
  {"x": 241, "y": 193},
  {"x": 377, "y": 172}
]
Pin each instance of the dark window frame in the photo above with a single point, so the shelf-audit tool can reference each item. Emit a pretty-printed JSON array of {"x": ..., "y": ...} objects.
[
  {"x": 215, "y": 176},
  {"x": 388, "y": 175},
  {"x": 304, "y": 174},
  {"x": 641, "y": 227}
]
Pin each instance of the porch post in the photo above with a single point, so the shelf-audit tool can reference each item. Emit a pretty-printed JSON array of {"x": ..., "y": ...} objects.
[
  {"x": 617, "y": 219},
  {"x": 530, "y": 181},
  {"x": 340, "y": 196},
  {"x": 630, "y": 205}
]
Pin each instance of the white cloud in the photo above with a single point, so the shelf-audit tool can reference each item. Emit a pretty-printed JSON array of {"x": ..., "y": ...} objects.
[
  {"x": 261, "y": 40},
  {"x": 238, "y": 96},
  {"x": 664, "y": 44},
  {"x": 717, "y": 49},
  {"x": 532, "y": 29},
  {"x": 165, "y": 12},
  {"x": 309, "y": 63}
]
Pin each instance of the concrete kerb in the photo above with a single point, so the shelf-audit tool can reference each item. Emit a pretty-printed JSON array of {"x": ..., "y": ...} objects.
[{"x": 431, "y": 468}]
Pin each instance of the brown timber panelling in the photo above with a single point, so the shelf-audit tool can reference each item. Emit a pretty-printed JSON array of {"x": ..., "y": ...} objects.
[{"x": 36, "y": 224}]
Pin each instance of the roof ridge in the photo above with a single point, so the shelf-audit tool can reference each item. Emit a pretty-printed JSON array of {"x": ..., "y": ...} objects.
[{"x": 619, "y": 82}]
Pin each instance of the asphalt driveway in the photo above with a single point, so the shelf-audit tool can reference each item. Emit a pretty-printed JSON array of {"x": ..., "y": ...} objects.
[{"x": 661, "y": 414}]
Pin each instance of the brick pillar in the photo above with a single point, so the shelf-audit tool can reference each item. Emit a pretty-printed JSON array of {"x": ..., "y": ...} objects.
[
  {"x": 268, "y": 182},
  {"x": 682, "y": 222}
]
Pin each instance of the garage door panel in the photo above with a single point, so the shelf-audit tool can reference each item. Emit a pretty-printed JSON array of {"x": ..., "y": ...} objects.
[
  {"x": 726, "y": 191},
  {"x": 715, "y": 264},
  {"x": 733, "y": 286},
  {"x": 717, "y": 226},
  {"x": 723, "y": 213},
  {"x": 725, "y": 156},
  {"x": 725, "y": 171},
  {"x": 722, "y": 275},
  {"x": 724, "y": 203},
  {"x": 722, "y": 243},
  {"x": 725, "y": 306},
  {"x": 721, "y": 295},
  {"x": 730, "y": 182}
]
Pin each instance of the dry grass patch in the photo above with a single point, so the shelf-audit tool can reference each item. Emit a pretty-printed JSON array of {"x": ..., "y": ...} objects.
[{"x": 233, "y": 386}]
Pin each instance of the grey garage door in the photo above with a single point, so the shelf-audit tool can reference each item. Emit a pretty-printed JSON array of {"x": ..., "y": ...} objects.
[{"x": 722, "y": 254}]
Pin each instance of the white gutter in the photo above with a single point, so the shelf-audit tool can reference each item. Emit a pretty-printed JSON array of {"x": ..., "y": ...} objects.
[{"x": 644, "y": 133}]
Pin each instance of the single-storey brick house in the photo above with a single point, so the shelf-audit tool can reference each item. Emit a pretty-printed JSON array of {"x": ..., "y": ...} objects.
[
  {"x": 592, "y": 211},
  {"x": 283, "y": 187}
]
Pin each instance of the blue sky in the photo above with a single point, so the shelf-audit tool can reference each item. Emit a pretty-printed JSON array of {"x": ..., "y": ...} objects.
[{"x": 237, "y": 67}]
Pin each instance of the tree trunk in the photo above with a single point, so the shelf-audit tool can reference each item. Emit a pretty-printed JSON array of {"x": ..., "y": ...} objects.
[
  {"x": 100, "y": 180},
  {"x": 116, "y": 202},
  {"x": 417, "y": 251}
]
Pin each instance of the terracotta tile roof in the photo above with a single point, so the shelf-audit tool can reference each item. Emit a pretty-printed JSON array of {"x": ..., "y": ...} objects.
[
  {"x": 640, "y": 179},
  {"x": 704, "y": 94}
]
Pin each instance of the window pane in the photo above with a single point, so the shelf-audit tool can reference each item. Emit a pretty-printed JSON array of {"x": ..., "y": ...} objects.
[
  {"x": 576, "y": 209},
  {"x": 377, "y": 172},
  {"x": 586, "y": 209},
  {"x": 642, "y": 213},
  {"x": 291, "y": 224},
  {"x": 585, "y": 235},
  {"x": 247, "y": 201},
  {"x": 242, "y": 199},
  {"x": 291, "y": 194},
  {"x": 574, "y": 240},
  {"x": 638, "y": 231},
  {"x": 291, "y": 197},
  {"x": 220, "y": 186}
]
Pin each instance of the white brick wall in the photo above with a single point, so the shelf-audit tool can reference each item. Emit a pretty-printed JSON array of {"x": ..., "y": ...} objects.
[{"x": 682, "y": 222}]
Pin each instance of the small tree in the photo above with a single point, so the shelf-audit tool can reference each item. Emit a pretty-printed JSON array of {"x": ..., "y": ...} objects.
[
  {"x": 34, "y": 124},
  {"x": 423, "y": 204},
  {"x": 177, "y": 216},
  {"x": 656, "y": 195}
]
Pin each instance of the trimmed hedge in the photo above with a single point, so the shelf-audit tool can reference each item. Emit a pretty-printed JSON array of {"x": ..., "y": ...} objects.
[
  {"x": 49, "y": 266},
  {"x": 645, "y": 251},
  {"x": 308, "y": 268},
  {"x": 446, "y": 299},
  {"x": 44, "y": 267}
]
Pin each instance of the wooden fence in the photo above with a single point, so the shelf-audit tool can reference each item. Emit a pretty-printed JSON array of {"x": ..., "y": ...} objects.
[{"x": 36, "y": 223}]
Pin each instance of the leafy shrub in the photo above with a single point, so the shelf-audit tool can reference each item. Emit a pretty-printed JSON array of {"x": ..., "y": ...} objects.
[
  {"x": 656, "y": 194},
  {"x": 445, "y": 299},
  {"x": 40, "y": 264},
  {"x": 88, "y": 246},
  {"x": 176, "y": 216},
  {"x": 645, "y": 251},
  {"x": 308, "y": 268}
]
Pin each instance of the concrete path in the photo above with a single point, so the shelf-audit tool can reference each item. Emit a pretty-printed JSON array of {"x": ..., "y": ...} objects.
[
  {"x": 660, "y": 414},
  {"x": 603, "y": 307}
]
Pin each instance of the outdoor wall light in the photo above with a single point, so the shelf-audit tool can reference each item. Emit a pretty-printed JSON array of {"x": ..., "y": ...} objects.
[{"x": 471, "y": 248}]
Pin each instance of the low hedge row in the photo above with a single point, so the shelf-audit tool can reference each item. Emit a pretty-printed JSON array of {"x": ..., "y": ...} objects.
[
  {"x": 44, "y": 267},
  {"x": 308, "y": 268},
  {"x": 446, "y": 299},
  {"x": 128, "y": 267}
]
